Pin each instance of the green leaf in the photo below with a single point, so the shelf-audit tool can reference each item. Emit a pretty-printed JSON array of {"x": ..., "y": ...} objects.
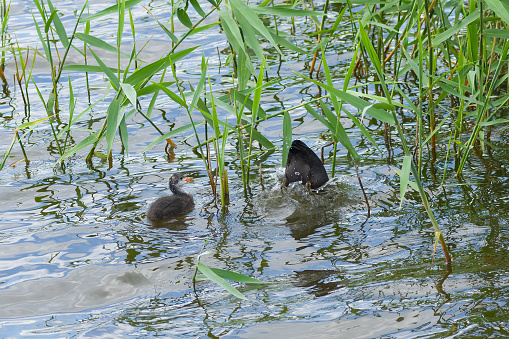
[
  {"x": 437, "y": 128},
  {"x": 363, "y": 129},
  {"x": 124, "y": 136},
  {"x": 455, "y": 93},
  {"x": 456, "y": 28},
  {"x": 172, "y": 133},
  {"x": 320, "y": 118},
  {"x": 197, "y": 8},
  {"x": 5, "y": 19},
  {"x": 59, "y": 27},
  {"x": 89, "y": 108},
  {"x": 366, "y": 42},
  {"x": 285, "y": 43},
  {"x": 184, "y": 18},
  {"x": 215, "y": 126},
  {"x": 88, "y": 68},
  {"x": 491, "y": 122},
  {"x": 167, "y": 31},
  {"x": 113, "y": 78},
  {"x": 340, "y": 132},
  {"x": 50, "y": 19},
  {"x": 220, "y": 281},
  {"x": 110, "y": 10},
  {"x": 72, "y": 102},
  {"x": 153, "y": 88},
  {"x": 121, "y": 18},
  {"x": 242, "y": 99},
  {"x": 243, "y": 10},
  {"x": 149, "y": 70},
  {"x": 172, "y": 95},
  {"x": 130, "y": 93},
  {"x": 82, "y": 144},
  {"x": 240, "y": 278},
  {"x": 203, "y": 28},
  {"x": 234, "y": 36},
  {"x": 201, "y": 84},
  {"x": 248, "y": 33},
  {"x": 331, "y": 117},
  {"x": 413, "y": 65},
  {"x": 500, "y": 8},
  {"x": 96, "y": 42},
  {"x": 284, "y": 11},
  {"x": 260, "y": 138},
  {"x": 112, "y": 122},
  {"x": 356, "y": 102},
  {"x": 50, "y": 104},
  {"x": 496, "y": 33},
  {"x": 258, "y": 95},
  {"x": 244, "y": 71},
  {"x": 363, "y": 2},
  {"x": 32, "y": 123},
  {"x": 43, "y": 41}
]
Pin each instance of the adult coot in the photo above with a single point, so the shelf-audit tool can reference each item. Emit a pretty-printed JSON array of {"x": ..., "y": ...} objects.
[
  {"x": 172, "y": 205},
  {"x": 304, "y": 165}
]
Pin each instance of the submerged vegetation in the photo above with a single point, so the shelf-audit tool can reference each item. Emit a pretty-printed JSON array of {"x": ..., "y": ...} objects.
[{"x": 440, "y": 65}]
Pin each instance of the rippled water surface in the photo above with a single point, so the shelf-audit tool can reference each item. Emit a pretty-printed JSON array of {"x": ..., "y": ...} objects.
[{"x": 79, "y": 258}]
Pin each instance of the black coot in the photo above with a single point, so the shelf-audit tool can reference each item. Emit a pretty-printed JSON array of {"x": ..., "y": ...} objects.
[
  {"x": 172, "y": 205},
  {"x": 304, "y": 165}
]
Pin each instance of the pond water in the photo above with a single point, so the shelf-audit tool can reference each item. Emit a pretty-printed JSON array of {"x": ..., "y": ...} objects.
[{"x": 79, "y": 259}]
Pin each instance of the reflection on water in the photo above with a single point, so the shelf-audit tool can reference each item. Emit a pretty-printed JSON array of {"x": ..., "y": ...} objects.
[
  {"x": 79, "y": 258},
  {"x": 178, "y": 223},
  {"x": 78, "y": 253}
]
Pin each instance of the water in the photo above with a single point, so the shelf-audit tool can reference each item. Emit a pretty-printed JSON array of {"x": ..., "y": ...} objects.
[{"x": 79, "y": 259}]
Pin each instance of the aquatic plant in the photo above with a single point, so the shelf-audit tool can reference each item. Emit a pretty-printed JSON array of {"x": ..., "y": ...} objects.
[{"x": 452, "y": 55}]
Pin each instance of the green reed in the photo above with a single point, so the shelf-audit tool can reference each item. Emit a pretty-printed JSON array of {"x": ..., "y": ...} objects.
[{"x": 4, "y": 15}]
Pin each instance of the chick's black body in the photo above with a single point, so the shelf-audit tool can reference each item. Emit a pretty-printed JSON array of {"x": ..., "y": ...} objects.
[
  {"x": 303, "y": 165},
  {"x": 178, "y": 203}
]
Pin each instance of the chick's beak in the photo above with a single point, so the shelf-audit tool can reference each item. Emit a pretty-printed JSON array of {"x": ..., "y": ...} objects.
[{"x": 188, "y": 179}]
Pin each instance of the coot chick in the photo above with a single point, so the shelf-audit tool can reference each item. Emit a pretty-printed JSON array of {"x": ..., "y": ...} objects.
[
  {"x": 304, "y": 165},
  {"x": 169, "y": 206}
]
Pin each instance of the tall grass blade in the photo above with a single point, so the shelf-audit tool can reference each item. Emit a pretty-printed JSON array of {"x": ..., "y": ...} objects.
[
  {"x": 184, "y": 18},
  {"x": 112, "y": 122},
  {"x": 96, "y": 42},
  {"x": 121, "y": 19},
  {"x": 59, "y": 27},
  {"x": 176, "y": 131},
  {"x": 130, "y": 93},
  {"x": 206, "y": 271},
  {"x": 358, "y": 103},
  {"x": 172, "y": 95},
  {"x": 197, "y": 8},
  {"x": 234, "y": 36},
  {"x": 240, "y": 278},
  {"x": 156, "y": 66},
  {"x": 43, "y": 41},
  {"x": 283, "y": 11},
  {"x": 110, "y": 10},
  {"x": 78, "y": 147},
  {"x": 242, "y": 10},
  {"x": 124, "y": 135},
  {"x": 113, "y": 78}
]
